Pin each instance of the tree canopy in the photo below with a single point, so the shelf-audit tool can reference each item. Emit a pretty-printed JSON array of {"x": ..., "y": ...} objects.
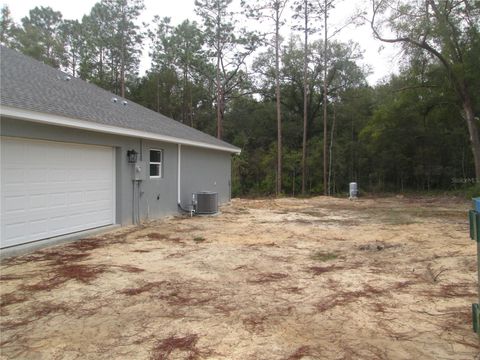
[{"x": 416, "y": 130}]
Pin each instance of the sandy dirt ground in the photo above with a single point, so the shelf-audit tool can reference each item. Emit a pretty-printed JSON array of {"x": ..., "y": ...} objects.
[{"x": 320, "y": 278}]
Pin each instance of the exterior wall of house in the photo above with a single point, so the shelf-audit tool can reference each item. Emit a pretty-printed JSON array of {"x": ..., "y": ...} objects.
[
  {"x": 201, "y": 169},
  {"x": 205, "y": 170}
]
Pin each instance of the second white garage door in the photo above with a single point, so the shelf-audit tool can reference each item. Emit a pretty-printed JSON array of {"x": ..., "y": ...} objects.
[{"x": 52, "y": 188}]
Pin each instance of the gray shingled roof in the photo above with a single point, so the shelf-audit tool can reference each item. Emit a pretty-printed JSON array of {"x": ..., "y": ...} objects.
[{"x": 28, "y": 84}]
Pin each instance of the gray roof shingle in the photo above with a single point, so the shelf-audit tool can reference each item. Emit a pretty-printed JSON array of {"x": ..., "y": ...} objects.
[{"x": 28, "y": 84}]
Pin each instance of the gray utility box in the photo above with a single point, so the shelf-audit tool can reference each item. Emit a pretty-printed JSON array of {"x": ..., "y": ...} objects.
[
  {"x": 140, "y": 171},
  {"x": 207, "y": 202}
]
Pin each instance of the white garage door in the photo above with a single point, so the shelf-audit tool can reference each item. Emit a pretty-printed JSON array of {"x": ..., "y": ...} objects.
[{"x": 53, "y": 188}]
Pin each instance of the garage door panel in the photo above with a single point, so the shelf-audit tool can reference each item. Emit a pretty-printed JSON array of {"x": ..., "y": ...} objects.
[
  {"x": 15, "y": 203},
  {"x": 37, "y": 201},
  {"x": 39, "y": 228},
  {"x": 14, "y": 233},
  {"x": 13, "y": 175},
  {"x": 37, "y": 176},
  {"x": 51, "y": 189}
]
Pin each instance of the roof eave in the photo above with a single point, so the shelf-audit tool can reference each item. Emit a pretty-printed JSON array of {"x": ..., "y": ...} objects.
[{"x": 52, "y": 119}]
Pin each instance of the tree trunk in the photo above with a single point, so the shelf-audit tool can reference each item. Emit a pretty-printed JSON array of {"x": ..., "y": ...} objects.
[
  {"x": 122, "y": 79},
  {"x": 277, "y": 91},
  {"x": 100, "y": 70},
  {"x": 74, "y": 64},
  {"x": 158, "y": 91},
  {"x": 190, "y": 106},
  {"x": 122, "y": 60},
  {"x": 330, "y": 162},
  {"x": 305, "y": 104},
  {"x": 469, "y": 116},
  {"x": 184, "y": 97},
  {"x": 325, "y": 135},
  {"x": 218, "y": 81}
]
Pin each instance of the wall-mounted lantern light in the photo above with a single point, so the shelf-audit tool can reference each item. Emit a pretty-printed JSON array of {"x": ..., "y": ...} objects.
[{"x": 132, "y": 156}]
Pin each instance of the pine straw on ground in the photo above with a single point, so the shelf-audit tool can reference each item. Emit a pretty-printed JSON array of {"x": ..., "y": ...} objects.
[
  {"x": 186, "y": 345},
  {"x": 249, "y": 290}
]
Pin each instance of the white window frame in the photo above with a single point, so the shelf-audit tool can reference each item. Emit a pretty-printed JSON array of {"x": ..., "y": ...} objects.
[{"x": 159, "y": 163}]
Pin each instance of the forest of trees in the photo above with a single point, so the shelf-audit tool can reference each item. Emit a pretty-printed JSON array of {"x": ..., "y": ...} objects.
[{"x": 300, "y": 108}]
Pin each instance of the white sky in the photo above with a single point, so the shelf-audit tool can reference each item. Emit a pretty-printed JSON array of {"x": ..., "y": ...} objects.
[{"x": 382, "y": 62}]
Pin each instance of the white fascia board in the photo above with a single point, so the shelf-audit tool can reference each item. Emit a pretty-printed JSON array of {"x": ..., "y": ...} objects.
[{"x": 52, "y": 119}]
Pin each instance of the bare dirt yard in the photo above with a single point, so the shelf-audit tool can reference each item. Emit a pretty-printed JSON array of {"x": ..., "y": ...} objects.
[{"x": 320, "y": 278}]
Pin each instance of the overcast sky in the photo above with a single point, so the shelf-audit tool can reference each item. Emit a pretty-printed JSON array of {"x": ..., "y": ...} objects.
[{"x": 382, "y": 62}]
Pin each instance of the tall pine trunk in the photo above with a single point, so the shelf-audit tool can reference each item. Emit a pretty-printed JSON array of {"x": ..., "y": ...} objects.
[
  {"x": 305, "y": 103},
  {"x": 218, "y": 80},
  {"x": 122, "y": 56},
  {"x": 277, "y": 91},
  {"x": 330, "y": 161},
  {"x": 325, "y": 135}
]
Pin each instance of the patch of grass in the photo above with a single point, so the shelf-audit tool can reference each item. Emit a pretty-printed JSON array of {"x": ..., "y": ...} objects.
[
  {"x": 324, "y": 256},
  {"x": 199, "y": 239}
]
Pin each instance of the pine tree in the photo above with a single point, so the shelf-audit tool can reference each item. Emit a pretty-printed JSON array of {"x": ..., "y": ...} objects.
[
  {"x": 41, "y": 36},
  {"x": 8, "y": 29},
  {"x": 229, "y": 45}
]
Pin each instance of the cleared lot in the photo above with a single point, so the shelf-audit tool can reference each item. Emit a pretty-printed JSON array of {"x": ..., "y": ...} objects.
[{"x": 388, "y": 278}]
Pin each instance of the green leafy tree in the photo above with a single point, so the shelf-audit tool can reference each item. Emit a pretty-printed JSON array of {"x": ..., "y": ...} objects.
[
  {"x": 448, "y": 32},
  {"x": 413, "y": 139}
]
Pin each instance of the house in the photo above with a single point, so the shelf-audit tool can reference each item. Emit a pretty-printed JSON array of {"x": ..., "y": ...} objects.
[{"x": 65, "y": 151}]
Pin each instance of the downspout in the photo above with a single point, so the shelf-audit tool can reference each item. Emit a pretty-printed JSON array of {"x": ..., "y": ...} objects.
[
  {"x": 139, "y": 187},
  {"x": 179, "y": 176},
  {"x": 136, "y": 191},
  {"x": 179, "y": 173}
]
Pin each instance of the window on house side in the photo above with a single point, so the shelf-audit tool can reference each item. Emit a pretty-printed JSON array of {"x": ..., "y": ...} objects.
[{"x": 156, "y": 163}]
